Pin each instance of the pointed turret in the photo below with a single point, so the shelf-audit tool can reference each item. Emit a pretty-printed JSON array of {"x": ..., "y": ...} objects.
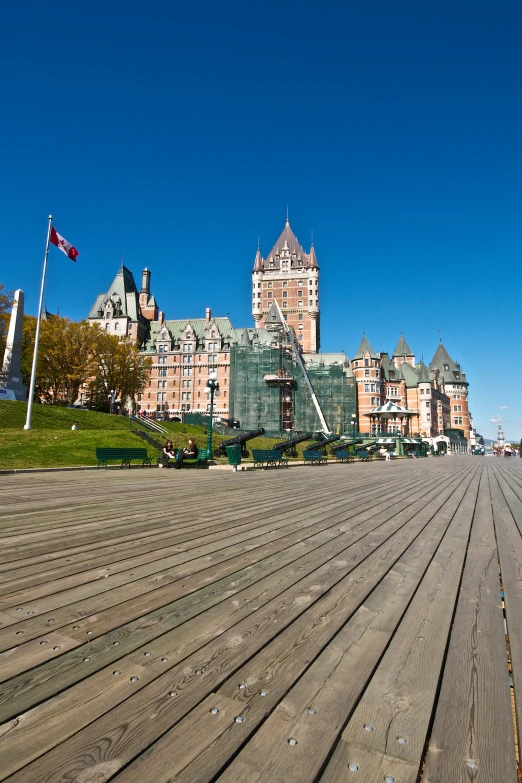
[
  {"x": 245, "y": 339},
  {"x": 287, "y": 241},
  {"x": 312, "y": 259},
  {"x": 402, "y": 348},
  {"x": 423, "y": 373},
  {"x": 258, "y": 263},
  {"x": 363, "y": 348}
]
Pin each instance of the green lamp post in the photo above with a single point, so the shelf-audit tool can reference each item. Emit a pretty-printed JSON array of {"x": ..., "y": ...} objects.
[
  {"x": 354, "y": 424},
  {"x": 212, "y": 389}
]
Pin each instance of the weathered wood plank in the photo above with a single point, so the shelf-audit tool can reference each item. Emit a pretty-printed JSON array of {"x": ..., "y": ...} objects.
[
  {"x": 391, "y": 719},
  {"x": 509, "y": 544},
  {"x": 197, "y": 675},
  {"x": 473, "y": 722}
]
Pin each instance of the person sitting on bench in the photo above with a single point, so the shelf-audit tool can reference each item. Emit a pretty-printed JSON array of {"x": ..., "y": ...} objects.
[
  {"x": 190, "y": 452},
  {"x": 167, "y": 454}
]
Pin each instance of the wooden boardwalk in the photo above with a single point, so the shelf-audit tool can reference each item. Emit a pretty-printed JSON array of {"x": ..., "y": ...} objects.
[{"x": 340, "y": 623}]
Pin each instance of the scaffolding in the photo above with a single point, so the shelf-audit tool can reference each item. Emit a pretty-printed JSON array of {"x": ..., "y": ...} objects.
[{"x": 269, "y": 389}]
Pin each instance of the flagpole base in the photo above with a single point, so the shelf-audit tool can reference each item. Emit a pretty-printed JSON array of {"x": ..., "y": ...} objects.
[{"x": 27, "y": 427}]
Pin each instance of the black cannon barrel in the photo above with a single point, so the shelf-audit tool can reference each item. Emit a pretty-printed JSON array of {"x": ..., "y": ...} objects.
[
  {"x": 289, "y": 445},
  {"x": 320, "y": 444},
  {"x": 346, "y": 444},
  {"x": 239, "y": 440},
  {"x": 339, "y": 446}
]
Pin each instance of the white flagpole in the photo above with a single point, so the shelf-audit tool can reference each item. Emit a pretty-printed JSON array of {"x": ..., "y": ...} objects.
[{"x": 27, "y": 425}]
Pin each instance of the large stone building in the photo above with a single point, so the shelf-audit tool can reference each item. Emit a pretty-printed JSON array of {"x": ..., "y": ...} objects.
[
  {"x": 290, "y": 277},
  {"x": 266, "y": 386},
  {"x": 437, "y": 395}
]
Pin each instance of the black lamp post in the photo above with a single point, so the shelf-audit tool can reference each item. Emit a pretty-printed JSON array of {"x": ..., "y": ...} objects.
[{"x": 212, "y": 389}]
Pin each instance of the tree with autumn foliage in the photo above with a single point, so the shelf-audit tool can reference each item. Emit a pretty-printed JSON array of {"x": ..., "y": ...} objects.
[
  {"x": 75, "y": 357},
  {"x": 116, "y": 366}
]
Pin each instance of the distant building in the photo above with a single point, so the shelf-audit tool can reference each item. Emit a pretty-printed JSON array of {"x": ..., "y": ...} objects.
[{"x": 261, "y": 382}]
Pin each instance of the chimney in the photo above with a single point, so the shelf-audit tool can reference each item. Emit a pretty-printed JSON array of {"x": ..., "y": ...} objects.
[
  {"x": 145, "y": 281},
  {"x": 208, "y": 315},
  {"x": 161, "y": 316}
]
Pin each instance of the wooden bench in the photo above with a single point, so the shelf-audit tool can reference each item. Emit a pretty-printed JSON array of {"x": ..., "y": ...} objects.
[
  {"x": 310, "y": 456},
  {"x": 201, "y": 459},
  {"x": 104, "y": 456},
  {"x": 364, "y": 456},
  {"x": 269, "y": 457},
  {"x": 342, "y": 455}
]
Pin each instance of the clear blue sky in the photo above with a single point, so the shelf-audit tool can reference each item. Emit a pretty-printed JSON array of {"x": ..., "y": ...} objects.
[{"x": 175, "y": 133}]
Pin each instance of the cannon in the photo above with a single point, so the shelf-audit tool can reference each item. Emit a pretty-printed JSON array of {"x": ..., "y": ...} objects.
[
  {"x": 346, "y": 445},
  {"x": 289, "y": 446},
  {"x": 322, "y": 444},
  {"x": 239, "y": 440}
]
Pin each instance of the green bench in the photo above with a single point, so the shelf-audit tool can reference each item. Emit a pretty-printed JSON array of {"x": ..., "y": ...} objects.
[
  {"x": 201, "y": 459},
  {"x": 343, "y": 455},
  {"x": 269, "y": 457},
  {"x": 364, "y": 456},
  {"x": 310, "y": 456},
  {"x": 104, "y": 456}
]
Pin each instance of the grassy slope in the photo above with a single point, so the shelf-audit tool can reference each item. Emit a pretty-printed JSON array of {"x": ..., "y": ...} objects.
[{"x": 51, "y": 443}]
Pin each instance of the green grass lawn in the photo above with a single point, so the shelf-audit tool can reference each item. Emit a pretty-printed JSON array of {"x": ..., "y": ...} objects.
[{"x": 51, "y": 442}]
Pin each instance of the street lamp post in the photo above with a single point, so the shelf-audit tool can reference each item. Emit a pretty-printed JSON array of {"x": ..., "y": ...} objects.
[
  {"x": 354, "y": 424},
  {"x": 212, "y": 389}
]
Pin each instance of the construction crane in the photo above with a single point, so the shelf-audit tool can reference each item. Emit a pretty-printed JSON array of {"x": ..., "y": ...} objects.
[{"x": 299, "y": 360}]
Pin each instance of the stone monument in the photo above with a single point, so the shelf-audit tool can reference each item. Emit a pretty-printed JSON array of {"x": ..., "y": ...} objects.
[{"x": 11, "y": 377}]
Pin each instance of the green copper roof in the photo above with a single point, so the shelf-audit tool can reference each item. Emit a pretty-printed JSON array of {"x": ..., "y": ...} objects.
[
  {"x": 423, "y": 373},
  {"x": 222, "y": 327},
  {"x": 363, "y": 348},
  {"x": 124, "y": 288},
  {"x": 447, "y": 368},
  {"x": 408, "y": 374},
  {"x": 402, "y": 348}
]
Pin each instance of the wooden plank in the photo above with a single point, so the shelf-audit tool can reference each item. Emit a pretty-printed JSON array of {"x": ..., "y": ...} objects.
[
  {"x": 328, "y": 687},
  {"x": 181, "y": 532},
  {"x": 71, "y": 667},
  {"x": 397, "y": 705},
  {"x": 509, "y": 544},
  {"x": 33, "y": 627},
  {"x": 475, "y": 682},
  {"x": 197, "y": 675}
]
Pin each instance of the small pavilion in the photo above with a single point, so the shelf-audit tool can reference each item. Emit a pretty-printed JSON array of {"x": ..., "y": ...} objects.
[{"x": 391, "y": 419}]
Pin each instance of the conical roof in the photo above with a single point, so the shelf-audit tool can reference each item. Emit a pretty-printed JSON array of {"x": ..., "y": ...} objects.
[
  {"x": 288, "y": 240},
  {"x": 447, "y": 368},
  {"x": 423, "y": 373},
  {"x": 258, "y": 265},
  {"x": 245, "y": 339},
  {"x": 312, "y": 259},
  {"x": 363, "y": 348},
  {"x": 402, "y": 348}
]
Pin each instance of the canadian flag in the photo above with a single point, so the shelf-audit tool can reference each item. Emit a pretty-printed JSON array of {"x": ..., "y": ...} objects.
[{"x": 63, "y": 244}]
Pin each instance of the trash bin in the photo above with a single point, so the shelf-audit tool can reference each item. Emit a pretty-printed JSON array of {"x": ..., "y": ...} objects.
[{"x": 234, "y": 456}]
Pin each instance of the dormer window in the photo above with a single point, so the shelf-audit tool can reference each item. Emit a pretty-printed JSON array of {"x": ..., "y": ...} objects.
[{"x": 446, "y": 366}]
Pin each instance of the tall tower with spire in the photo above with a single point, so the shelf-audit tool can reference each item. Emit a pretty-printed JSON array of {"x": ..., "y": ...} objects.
[{"x": 289, "y": 276}]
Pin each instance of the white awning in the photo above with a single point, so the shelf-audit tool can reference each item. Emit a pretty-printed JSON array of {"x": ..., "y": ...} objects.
[{"x": 386, "y": 440}]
